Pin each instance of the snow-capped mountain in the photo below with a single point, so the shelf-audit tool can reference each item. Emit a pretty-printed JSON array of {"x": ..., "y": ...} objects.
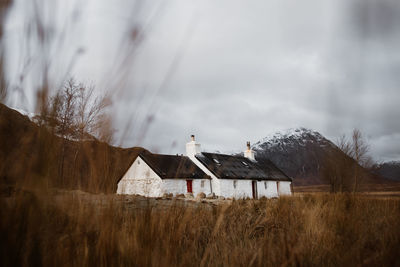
[
  {"x": 298, "y": 136},
  {"x": 298, "y": 152},
  {"x": 389, "y": 170}
]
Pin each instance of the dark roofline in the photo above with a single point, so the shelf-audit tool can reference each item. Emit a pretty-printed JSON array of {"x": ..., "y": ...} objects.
[
  {"x": 163, "y": 175},
  {"x": 241, "y": 157}
]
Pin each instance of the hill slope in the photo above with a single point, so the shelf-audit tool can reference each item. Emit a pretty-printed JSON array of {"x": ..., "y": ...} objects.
[
  {"x": 31, "y": 155},
  {"x": 300, "y": 153},
  {"x": 389, "y": 170}
]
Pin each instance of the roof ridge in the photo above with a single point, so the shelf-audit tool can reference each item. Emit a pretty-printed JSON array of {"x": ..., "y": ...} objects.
[{"x": 173, "y": 166}]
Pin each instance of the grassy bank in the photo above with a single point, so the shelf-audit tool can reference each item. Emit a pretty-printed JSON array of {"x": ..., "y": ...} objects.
[{"x": 82, "y": 229}]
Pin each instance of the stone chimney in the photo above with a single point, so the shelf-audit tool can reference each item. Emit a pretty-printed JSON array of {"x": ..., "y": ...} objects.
[
  {"x": 192, "y": 147},
  {"x": 249, "y": 153}
]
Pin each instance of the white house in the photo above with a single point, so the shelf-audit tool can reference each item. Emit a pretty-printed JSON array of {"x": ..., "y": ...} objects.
[
  {"x": 229, "y": 176},
  {"x": 153, "y": 175}
]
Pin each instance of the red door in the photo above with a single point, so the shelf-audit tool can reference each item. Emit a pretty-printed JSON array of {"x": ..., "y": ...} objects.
[{"x": 189, "y": 186}]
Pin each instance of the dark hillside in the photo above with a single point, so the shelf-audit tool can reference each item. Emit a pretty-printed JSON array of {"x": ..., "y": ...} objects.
[
  {"x": 301, "y": 153},
  {"x": 31, "y": 155},
  {"x": 389, "y": 170}
]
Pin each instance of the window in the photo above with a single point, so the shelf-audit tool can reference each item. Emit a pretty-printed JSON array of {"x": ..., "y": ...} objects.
[
  {"x": 265, "y": 185},
  {"x": 202, "y": 184},
  {"x": 234, "y": 184},
  {"x": 217, "y": 161},
  {"x": 138, "y": 162},
  {"x": 245, "y": 164}
]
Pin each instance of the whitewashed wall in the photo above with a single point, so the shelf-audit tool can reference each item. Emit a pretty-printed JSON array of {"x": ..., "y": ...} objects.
[
  {"x": 178, "y": 186},
  {"x": 243, "y": 188},
  {"x": 269, "y": 192},
  {"x": 215, "y": 182},
  {"x": 140, "y": 179},
  {"x": 284, "y": 188},
  {"x": 197, "y": 188}
]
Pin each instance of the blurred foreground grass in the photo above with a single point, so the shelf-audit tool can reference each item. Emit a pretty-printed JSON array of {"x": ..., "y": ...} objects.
[{"x": 81, "y": 229}]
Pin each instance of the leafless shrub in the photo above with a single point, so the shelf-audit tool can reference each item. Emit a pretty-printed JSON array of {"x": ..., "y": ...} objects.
[
  {"x": 75, "y": 112},
  {"x": 344, "y": 165}
]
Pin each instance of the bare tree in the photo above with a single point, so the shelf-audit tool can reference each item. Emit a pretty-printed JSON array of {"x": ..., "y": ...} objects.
[
  {"x": 359, "y": 152},
  {"x": 68, "y": 109},
  {"x": 337, "y": 166},
  {"x": 343, "y": 164},
  {"x": 90, "y": 111},
  {"x": 66, "y": 117},
  {"x": 75, "y": 112}
]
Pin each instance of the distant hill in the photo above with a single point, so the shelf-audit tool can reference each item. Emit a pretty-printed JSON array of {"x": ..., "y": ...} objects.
[
  {"x": 300, "y": 153},
  {"x": 389, "y": 170},
  {"x": 31, "y": 155}
]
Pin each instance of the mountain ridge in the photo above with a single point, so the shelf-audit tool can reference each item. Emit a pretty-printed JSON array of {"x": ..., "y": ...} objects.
[
  {"x": 300, "y": 153},
  {"x": 389, "y": 170}
]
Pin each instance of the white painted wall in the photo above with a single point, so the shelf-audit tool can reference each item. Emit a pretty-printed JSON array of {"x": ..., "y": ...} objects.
[
  {"x": 269, "y": 192},
  {"x": 140, "y": 179},
  {"x": 192, "y": 149},
  {"x": 243, "y": 188},
  {"x": 178, "y": 186},
  {"x": 284, "y": 188},
  {"x": 215, "y": 182}
]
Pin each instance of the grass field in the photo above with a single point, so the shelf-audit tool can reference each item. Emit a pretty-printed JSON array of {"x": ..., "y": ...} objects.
[{"x": 72, "y": 228}]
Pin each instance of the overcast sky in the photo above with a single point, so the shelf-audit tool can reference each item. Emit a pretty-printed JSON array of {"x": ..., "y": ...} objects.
[{"x": 226, "y": 71}]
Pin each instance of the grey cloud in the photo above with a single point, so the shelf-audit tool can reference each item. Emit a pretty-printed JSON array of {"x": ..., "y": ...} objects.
[{"x": 255, "y": 67}]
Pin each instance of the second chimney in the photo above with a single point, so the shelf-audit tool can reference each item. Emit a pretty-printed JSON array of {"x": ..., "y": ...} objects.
[{"x": 249, "y": 153}]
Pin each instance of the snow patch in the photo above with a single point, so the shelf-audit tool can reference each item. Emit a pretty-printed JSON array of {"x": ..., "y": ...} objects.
[
  {"x": 279, "y": 140},
  {"x": 30, "y": 115}
]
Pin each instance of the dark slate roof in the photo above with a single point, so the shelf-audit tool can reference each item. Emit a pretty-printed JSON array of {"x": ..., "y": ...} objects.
[
  {"x": 239, "y": 167},
  {"x": 170, "y": 166}
]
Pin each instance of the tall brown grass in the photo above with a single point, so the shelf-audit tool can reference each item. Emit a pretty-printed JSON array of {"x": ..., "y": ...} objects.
[
  {"x": 43, "y": 227},
  {"x": 79, "y": 229}
]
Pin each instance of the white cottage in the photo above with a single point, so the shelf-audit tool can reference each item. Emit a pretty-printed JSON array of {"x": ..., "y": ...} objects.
[
  {"x": 224, "y": 175},
  {"x": 153, "y": 175}
]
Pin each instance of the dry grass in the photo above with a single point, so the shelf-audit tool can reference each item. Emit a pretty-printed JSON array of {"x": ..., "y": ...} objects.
[{"x": 105, "y": 230}]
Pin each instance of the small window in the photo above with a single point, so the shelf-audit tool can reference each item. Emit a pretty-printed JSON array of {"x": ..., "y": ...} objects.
[
  {"x": 245, "y": 164},
  {"x": 138, "y": 162},
  {"x": 234, "y": 184},
  {"x": 202, "y": 184},
  {"x": 265, "y": 185},
  {"x": 217, "y": 161}
]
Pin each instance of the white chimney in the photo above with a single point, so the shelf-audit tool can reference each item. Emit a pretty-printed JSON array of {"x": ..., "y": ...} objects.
[
  {"x": 249, "y": 153},
  {"x": 192, "y": 148}
]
